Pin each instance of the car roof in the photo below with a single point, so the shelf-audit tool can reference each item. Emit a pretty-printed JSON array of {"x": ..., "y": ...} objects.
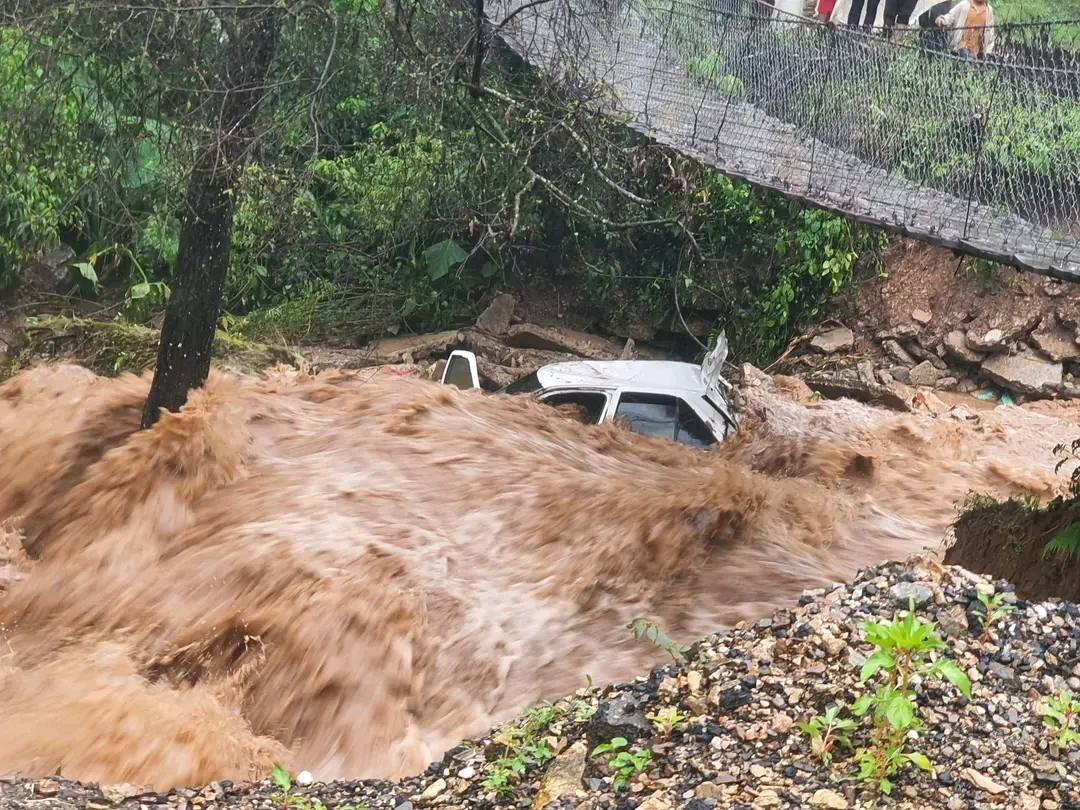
[{"x": 646, "y": 374}]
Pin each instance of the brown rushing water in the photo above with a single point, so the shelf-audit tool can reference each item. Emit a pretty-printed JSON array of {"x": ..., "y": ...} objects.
[{"x": 353, "y": 573}]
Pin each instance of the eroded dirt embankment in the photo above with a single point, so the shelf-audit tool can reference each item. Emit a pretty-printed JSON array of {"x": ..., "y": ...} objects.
[
  {"x": 1009, "y": 540},
  {"x": 354, "y": 572}
]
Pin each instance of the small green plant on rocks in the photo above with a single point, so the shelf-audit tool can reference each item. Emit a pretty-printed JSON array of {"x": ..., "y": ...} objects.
[
  {"x": 286, "y": 799},
  {"x": 650, "y": 630},
  {"x": 667, "y": 720},
  {"x": 624, "y": 762},
  {"x": 904, "y": 649},
  {"x": 995, "y": 609},
  {"x": 1061, "y": 713},
  {"x": 828, "y": 730},
  {"x": 523, "y": 747}
]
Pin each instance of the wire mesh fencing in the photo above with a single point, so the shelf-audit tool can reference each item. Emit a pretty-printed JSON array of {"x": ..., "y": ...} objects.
[{"x": 979, "y": 155}]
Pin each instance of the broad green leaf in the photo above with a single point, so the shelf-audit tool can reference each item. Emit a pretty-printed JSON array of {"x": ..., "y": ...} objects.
[
  {"x": 87, "y": 271},
  {"x": 953, "y": 674},
  {"x": 877, "y": 661},
  {"x": 145, "y": 165},
  {"x": 899, "y": 711},
  {"x": 862, "y": 705},
  {"x": 139, "y": 291},
  {"x": 442, "y": 257},
  {"x": 886, "y": 786}
]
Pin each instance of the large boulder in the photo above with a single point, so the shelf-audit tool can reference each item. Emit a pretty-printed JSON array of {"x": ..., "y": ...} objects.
[
  {"x": 1023, "y": 373},
  {"x": 560, "y": 339},
  {"x": 410, "y": 348},
  {"x": 1056, "y": 343},
  {"x": 51, "y": 270},
  {"x": 495, "y": 319},
  {"x": 754, "y": 377},
  {"x": 831, "y": 341},
  {"x": 849, "y": 384}
]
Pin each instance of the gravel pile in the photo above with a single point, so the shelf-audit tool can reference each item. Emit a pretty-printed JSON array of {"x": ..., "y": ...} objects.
[{"x": 733, "y": 708}]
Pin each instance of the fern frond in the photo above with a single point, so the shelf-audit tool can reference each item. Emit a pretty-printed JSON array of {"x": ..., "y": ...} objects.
[{"x": 1065, "y": 543}]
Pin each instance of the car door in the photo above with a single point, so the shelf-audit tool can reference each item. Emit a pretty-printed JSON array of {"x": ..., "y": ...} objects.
[{"x": 663, "y": 415}]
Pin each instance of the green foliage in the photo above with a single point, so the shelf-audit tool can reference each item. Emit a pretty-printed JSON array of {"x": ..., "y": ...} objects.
[
  {"x": 987, "y": 274},
  {"x": 41, "y": 173},
  {"x": 995, "y": 608},
  {"x": 414, "y": 206},
  {"x": 822, "y": 263},
  {"x": 904, "y": 651},
  {"x": 808, "y": 256},
  {"x": 523, "y": 748},
  {"x": 828, "y": 730},
  {"x": 651, "y": 631},
  {"x": 443, "y": 257},
  {"x": 1061, "y": 714},
  {"x": 1065, "y": 544},
  {"x": 667, "y": 720},
  {"x": 624, "y": 762}
]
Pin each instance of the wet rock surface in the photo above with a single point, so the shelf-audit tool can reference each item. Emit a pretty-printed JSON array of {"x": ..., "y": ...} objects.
[
  {"x": 1025, "y": 373},
  {"x": 740, "y": 695}
]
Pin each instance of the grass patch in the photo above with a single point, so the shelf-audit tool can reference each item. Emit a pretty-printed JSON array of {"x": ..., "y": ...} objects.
[{"x": 113, "y": 347}]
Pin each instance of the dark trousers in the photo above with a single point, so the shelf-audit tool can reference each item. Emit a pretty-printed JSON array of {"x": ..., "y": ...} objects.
[
  {"x": 854, "y": 17},
  {"x": 898, "y": 12}
]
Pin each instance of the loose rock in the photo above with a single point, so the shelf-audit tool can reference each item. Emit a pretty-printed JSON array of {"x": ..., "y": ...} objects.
[
  {"x": 839, "y": 339},
  {"x": 828, "y": 798},
  {"x": 925, "y": 374}
]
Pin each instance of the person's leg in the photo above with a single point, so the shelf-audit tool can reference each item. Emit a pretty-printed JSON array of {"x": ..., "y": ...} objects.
[
  {"x": 892, "y": 8},
  {"x": 871, "y": 14},
  {"x": 854, "y": 15}
]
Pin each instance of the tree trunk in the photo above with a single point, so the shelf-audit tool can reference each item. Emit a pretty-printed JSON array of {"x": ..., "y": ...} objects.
[{"x": 187, "y": 335}]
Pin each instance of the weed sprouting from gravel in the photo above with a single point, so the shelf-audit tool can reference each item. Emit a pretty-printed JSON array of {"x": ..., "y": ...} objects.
[
  {"x": 523, "y": 748},
  {"x": 828, "y": 730},
  {"x": 995, "y": 609},
  {"x": 1061, "y": 714},
  {"x": 651, "y": 631},
  {"x": 624, "y": 762},
  {"x": 904, "y": 655},
  {"x": 904, "y": 649}
]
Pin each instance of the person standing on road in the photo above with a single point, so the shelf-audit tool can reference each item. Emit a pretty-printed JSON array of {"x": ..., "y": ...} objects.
[{"x": 972, "y": 26}]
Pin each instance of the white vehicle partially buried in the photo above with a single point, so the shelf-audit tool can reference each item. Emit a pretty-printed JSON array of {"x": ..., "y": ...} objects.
[{"x": 678, "y": 401}]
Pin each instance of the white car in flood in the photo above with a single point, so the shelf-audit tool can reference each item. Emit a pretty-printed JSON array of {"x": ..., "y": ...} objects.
[{"x": 678, "y": 401}]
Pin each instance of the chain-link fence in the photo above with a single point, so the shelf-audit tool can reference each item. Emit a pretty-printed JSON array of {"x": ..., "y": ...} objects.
[{"x": 980, "y": 155}]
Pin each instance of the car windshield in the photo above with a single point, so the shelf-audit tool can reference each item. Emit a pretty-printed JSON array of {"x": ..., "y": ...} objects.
[{"x": 526, "y": 385}]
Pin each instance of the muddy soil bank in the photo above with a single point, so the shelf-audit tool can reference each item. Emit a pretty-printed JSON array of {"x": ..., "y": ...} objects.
[{"x": 1008, "y": 540}]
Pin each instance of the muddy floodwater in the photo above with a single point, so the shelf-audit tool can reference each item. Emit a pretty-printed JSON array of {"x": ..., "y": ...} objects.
[{"x": 351, "y": 573}]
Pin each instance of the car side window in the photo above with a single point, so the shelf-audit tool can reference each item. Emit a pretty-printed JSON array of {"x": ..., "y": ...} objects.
[
  {"x": 589, "y": 405},
  {"x": 663, "y": 416},
  {"x": 692, "y": 430}
]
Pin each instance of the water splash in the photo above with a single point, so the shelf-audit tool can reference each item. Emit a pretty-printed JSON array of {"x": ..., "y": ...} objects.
[{"x": 352, "y": 572}]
